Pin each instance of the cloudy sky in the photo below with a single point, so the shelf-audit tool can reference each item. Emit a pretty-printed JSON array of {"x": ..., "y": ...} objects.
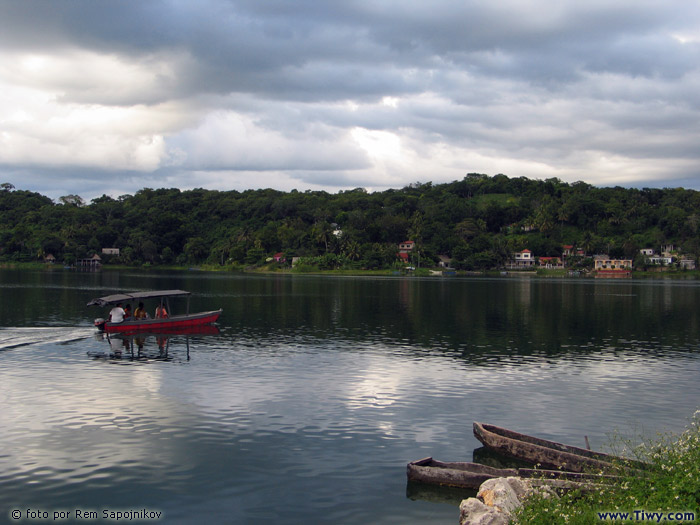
[{"x": 112, "y": 96}]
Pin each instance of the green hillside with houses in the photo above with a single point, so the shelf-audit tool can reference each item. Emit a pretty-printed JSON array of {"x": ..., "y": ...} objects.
[{"x": 477, "y": 223}]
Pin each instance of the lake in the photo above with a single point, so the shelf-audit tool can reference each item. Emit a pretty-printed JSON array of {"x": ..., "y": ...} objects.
[{"x": 316, "y": 391}]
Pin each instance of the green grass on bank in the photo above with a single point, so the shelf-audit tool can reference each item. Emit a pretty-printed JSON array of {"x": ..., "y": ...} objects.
[
  {"x": 671, "y": 487},
  {"x": 312, "y": 269}
]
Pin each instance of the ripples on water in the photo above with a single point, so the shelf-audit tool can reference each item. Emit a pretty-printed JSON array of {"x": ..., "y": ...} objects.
[{"x": 313, "y": 416}]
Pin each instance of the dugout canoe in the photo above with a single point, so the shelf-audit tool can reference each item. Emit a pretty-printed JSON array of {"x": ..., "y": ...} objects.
[
  {"x": 547, "y": 454},
  {"x": 472, "y": 475}
]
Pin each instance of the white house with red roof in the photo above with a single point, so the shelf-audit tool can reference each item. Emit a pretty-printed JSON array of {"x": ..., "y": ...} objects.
[
  {"x": 405, "y": 250},
  {"x": 522, "y": 259}
]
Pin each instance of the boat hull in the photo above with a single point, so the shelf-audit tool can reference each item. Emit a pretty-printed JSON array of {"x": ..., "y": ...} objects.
[
  {"x": 454, "y": 474},
  {"x": 472, "y": 475},
  {"x": 547, "y": 454},
  {"x": 176, "y": 322}
]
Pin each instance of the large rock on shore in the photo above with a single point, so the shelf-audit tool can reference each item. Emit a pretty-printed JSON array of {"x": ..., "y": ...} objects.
[{"x": 497, "y": 499}]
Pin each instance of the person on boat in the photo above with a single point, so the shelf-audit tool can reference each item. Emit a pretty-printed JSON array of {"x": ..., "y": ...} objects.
[
  {"x": 140, "y": 312},
  {"x": 127, "y": 311},
  {"x": 116, "y": 314},
  {"x": 161, "y": 312}
]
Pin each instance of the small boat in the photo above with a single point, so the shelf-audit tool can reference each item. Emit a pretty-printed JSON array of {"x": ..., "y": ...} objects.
[
  {"x": 172, "y": 322},
  {"x": 454, "y": 474},
  {"x": 472, "y": 475},
  {"x": 546, "y": 454}
]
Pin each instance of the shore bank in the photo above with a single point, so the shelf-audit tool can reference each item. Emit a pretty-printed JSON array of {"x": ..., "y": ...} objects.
[
  {"x": 669, "y": 490},
  {"x": 419, "y": 272}
]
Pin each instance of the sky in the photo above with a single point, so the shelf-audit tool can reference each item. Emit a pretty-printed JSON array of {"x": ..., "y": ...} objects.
[{"x": 109, "y": 97}]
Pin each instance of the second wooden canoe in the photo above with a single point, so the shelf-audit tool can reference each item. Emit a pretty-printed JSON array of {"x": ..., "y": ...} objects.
[
  {"x": 546, "y": 454},
  {"x": 472, "y": 475}
]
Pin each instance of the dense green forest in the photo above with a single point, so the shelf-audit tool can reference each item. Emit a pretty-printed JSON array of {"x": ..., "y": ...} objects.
[{"x": 477, "y": 221}]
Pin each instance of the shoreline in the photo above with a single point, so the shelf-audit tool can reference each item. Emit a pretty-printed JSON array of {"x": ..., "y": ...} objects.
[{"x": 421, "y": 272}]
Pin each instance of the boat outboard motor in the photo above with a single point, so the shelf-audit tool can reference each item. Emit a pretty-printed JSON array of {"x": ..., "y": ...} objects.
[{"x": 100, "y": 323}]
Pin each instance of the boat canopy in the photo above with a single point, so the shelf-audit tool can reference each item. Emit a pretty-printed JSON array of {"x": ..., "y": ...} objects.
[{"x": 135, "y": 296}]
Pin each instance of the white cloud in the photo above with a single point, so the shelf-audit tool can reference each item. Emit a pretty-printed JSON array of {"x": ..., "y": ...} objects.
[
  {"x": 49, "y": 114},
  {"x": 85, "y": 76},
  {"x": 230, "y": 140},
  {"x": 44, "y": 132}
]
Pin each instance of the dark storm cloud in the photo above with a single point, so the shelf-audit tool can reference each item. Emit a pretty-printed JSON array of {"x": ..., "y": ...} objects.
[
  {"x": 320, "y": 90},
  {"x": 334, "y": 51}
]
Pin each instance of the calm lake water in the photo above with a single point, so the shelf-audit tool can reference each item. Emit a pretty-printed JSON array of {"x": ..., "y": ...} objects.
[{"x": 307, "y": 404}]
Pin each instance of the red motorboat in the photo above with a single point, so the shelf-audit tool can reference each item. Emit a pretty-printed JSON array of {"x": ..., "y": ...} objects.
[{"x": 131, "y": 324}]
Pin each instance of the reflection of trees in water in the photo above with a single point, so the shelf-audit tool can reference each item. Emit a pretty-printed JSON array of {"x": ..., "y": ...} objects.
[{"x": 476, "y": 320}]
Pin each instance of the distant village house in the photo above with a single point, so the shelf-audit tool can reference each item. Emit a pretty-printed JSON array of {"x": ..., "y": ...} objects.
[
  {"x": 569, "y": 250},
  {"x": 605, "y": 262},
  {"x": 91, "y": 263},
  {"x": 661, "y": 260},
  {"x": 687, "y": 264},
  {"x": 445, "y": 261},
  {"x": 550, "y": 262},
  {"x": 522, "y": 259},
  {"x": 405, "y": 249}
]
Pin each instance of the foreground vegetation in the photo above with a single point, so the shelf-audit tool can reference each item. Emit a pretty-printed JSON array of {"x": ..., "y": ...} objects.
[
  {"x": 670, "y": 487},
  {"x": 478, "y": 222}
]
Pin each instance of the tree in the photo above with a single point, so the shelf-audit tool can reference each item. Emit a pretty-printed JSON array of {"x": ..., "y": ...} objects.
[
  {"x": 464, "y": 218},
  {"x": 195, "y": 249},
  {"x": 167, "y": 255},
  {"x": 72, "y": 200},
  {"x": 352, "y": 250},
  {"x": 469, "y": 228},
  {"x": 321, "y": 233}
]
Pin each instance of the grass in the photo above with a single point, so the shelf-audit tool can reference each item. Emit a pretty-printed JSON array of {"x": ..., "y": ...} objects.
[{"x": 670, "y": 485}]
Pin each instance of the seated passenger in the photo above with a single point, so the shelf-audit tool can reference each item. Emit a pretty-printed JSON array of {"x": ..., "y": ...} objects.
[
  {"x": 140, "y": 312},
  {"x": 161, "y": 313},
  {"x": 116, "y": 314},
  {"x": 127, "y": 311}
]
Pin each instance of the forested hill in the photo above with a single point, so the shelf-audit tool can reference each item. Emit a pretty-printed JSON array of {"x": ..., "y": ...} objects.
[{"x": 478, "y": 221}]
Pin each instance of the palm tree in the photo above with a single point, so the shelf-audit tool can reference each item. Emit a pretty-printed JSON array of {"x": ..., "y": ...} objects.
[
  {"x": 322, "y": 233},
  {"x": 352, "y": 250}
]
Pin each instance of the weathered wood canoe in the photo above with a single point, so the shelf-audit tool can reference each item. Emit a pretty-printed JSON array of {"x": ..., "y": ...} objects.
[
  {"x": 472, "y": 475},
  {"x": 546, "y": 454},
  {"x": 454, "y": 474}
]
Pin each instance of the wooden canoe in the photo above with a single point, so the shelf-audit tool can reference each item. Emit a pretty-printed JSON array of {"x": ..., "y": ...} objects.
[
  {"x": 546, "y": 454},
  {"x": 454, "y": 474},
  {"x": 472, "y": 475}
]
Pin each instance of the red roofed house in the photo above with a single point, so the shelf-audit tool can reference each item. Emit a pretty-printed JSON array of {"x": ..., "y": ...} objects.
[
  {"x": 523, "y": 259},
  {"x": 550, "y": 262},
  {"x": 405, "y": 249}
]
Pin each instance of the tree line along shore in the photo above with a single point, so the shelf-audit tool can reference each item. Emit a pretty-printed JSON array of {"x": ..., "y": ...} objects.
[{"x": 473, "y": 224}]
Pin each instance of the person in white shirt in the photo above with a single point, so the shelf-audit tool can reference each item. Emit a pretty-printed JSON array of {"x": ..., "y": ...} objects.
[{"x": 116, "y": 314}]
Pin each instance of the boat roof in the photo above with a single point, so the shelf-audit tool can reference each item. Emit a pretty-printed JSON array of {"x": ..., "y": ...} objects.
[{"x": 135, "y": 296}]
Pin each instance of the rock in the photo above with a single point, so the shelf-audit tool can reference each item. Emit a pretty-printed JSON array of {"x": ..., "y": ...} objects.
[
  {"x": 497, "y": 499},
  {"x": 503, "y": 494},
  {"x": 473, "y": 512}
]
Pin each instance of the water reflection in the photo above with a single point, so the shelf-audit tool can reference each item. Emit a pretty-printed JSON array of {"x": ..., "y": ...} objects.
[
  {"x": 150, "y": 346},
  {"x": 315, "y": 392},
  {"x": 435, "y": 494}
]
